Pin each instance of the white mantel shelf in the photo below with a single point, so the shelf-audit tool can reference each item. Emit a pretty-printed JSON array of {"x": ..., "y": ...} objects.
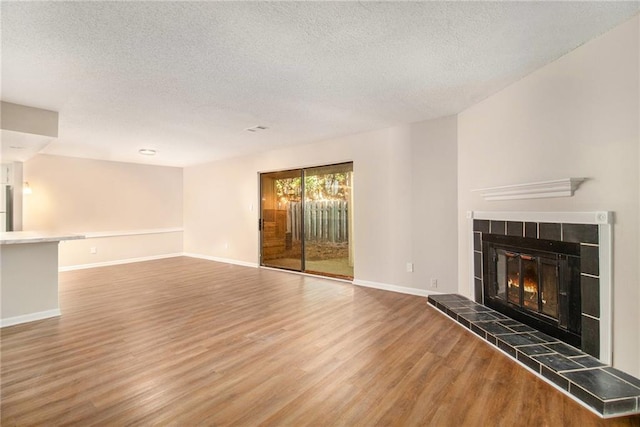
[{"x": 534, "y": 190}]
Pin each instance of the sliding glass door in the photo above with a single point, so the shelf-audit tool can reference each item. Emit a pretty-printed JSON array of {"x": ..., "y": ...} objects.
[
  {"x": 328, "y": 219},
  {"x": 307, "y": 218}
]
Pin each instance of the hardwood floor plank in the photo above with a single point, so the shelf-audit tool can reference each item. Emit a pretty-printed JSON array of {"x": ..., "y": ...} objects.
[{"x": 184, "y": 341}]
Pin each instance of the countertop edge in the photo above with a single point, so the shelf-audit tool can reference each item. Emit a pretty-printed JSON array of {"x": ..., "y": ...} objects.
[{"x": 36, "y": 238}]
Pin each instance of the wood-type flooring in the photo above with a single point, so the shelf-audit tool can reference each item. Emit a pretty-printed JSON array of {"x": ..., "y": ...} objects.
[{"x": 186, "y": 342}]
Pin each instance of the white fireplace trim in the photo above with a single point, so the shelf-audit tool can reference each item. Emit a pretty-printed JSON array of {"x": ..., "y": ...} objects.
[
  {"x": 598, "y": 217},
  {"x": 604, "y": 220},
  {"x": 532, "y": 190}
]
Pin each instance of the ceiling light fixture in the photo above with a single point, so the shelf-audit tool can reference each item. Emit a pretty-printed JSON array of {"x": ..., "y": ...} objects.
[{"x": 147, "y": 152}]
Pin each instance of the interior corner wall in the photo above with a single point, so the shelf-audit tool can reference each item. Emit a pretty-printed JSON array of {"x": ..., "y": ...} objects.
[
  {"x": 434, "y": 204},
  {"x": 133, "y": 211},
  {"x": 576, "y": 117},
  {"x": 394, "y": 170}
]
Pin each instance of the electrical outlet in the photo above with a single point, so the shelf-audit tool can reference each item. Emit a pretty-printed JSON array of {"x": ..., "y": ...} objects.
[
  {"x": 93, "y": 250},
  {"x": 434, "y": 283},
  {"x": 409, "y": 267}
]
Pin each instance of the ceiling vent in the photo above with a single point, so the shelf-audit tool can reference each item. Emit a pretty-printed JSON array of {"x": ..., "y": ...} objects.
[{"x": 256, "y": 129}]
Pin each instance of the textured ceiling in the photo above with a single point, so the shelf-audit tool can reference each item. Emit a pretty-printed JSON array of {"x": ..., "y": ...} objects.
[{"x": 187, "y": 78}]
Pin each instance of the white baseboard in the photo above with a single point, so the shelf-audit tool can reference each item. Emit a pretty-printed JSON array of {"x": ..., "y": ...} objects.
[
  {"x": 32, "y": 317},
  {"x": 119, "y": 261},
  {"x": 225, "y": 260},
  {"x": 394, "y": 288}
]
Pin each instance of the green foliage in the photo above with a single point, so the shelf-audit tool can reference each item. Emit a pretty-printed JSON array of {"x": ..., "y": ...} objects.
[{"x": 333, "y": 186}]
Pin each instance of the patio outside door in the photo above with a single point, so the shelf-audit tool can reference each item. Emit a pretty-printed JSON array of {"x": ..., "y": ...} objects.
[{"x": 307, "y": 217}]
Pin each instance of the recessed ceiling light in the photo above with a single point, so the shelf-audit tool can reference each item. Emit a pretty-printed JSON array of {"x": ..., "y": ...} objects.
[{"x": 147, "y": 152}]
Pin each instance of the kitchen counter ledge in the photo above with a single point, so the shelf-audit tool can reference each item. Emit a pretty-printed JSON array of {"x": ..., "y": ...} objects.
[{"x": 19, "y": 237}]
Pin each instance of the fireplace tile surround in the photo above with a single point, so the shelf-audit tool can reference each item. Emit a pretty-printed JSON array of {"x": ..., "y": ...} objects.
[
  {"x": 562, "y": 229},
  {"x": 606, "y": 391}
]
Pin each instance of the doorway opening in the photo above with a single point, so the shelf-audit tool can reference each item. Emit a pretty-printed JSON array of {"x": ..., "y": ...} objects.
[{"x": 307, "y": 220}]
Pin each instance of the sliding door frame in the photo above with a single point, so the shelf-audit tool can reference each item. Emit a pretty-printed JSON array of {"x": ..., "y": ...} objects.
[{"x": 302, "y": 231}]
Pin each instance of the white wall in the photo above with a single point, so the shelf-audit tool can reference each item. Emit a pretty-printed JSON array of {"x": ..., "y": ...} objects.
[
  {"x": 122, "y": 202},
  {"x": 435, "y": 202},
  {"x": 576, "y": 117},
  {"x": 395, "y": 171}
]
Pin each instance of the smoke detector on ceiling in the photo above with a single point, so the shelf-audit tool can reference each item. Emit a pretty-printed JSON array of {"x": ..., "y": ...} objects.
[{"x": 147, "y": 152}]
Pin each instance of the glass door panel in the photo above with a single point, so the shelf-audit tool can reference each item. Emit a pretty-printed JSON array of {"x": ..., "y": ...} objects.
[
  {"x": 501, "y": 275},
  {"x": 328, "y": 215},
  {"x": 530, "y": 282},
  {"x": 513, "y": 278},
  {"x": 281, "y": 227},
  {"x": 549, "y": 288}
]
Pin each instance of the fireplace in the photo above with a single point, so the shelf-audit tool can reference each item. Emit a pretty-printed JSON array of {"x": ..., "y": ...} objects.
[
  {"x": 536, "y": 282},
  {"x": 550, "y": 270}
]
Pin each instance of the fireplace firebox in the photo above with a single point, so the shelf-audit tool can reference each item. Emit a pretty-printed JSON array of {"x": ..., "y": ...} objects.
[{"x": 536, "y": 282}]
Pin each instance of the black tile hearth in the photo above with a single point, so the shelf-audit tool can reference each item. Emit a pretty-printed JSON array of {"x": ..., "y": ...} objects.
[
  {"x": 495, "y": 328},
  {"x": 476, "y": 317},
  {"x": 531, "y": 363},
  {"x": 557, "y": 362},
  {"x": 564, "y": 349},
  {"x": 520, "y": 339},
  {"x": 623, "y": 375},
  {"x": 544, "y": 337},
  {"x": 522, "y": 328},
  {"x": 510, "y": 322},
  {"x": 589, "y": 362},
  {"x": 602, "y": 384},
  {"x": 603, "y": 391},
  {"x": 533, "y": 350},
  {"x": 608, "y": 391},
  {"x": 552, "y": 376}
]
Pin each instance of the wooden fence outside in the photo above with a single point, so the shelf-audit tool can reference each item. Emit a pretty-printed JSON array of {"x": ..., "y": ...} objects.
[{"x": 326, "y": 220}]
